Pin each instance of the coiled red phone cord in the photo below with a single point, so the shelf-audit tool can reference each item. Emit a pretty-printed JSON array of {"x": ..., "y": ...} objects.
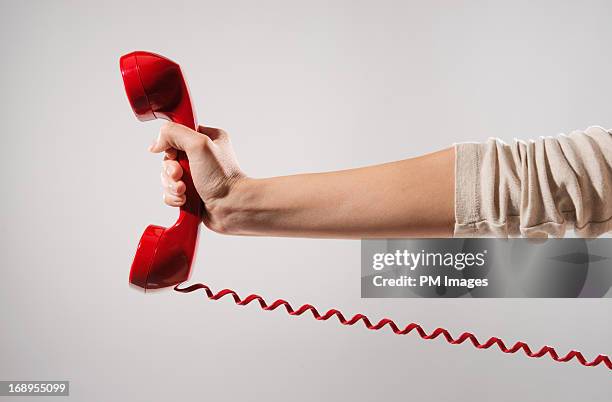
[{"x": 410, "y": 327}]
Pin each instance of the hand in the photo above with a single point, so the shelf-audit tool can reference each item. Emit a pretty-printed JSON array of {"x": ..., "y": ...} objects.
[{"x": 213, "y": 164}]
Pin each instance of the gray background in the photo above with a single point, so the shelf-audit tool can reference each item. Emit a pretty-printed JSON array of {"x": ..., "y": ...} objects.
[{"x": 301, "y": 86}]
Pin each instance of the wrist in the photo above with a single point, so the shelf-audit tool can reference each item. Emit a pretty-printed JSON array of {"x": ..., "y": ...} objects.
[{"x": 232, "y": 212}]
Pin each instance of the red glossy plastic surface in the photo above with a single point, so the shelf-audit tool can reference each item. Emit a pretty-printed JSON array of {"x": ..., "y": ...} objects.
[{"x": 156, "y": 89}]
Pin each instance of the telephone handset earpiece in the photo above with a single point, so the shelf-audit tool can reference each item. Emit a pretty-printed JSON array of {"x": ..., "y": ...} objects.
[{"x": 156, "y": 89}]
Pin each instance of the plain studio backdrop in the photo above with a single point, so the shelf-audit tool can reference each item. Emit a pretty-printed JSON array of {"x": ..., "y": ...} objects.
[{"x": 300, "y": 87}]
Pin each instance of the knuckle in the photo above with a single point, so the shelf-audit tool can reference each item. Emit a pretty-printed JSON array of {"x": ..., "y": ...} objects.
[
  {"x": 163, "y": 130},
  {"x": 176, "y": 173},
  {"x": 166, "y": 129},
  {"x": 167, "y": 126}
]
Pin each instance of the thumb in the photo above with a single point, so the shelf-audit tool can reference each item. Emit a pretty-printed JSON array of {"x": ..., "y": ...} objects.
[{"x": 173, "y": 135}]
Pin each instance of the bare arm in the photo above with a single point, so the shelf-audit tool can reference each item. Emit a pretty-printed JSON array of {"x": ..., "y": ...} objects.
[
  {"x": 412, "y": 197},
  {"x": 409, "y": 198}
]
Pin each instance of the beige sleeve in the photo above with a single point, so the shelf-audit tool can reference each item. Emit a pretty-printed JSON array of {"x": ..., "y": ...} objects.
[{"x": 537, "y": 188}]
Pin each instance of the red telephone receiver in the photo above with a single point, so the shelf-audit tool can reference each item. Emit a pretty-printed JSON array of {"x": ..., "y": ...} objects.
[{"x": 156, "y": 89}]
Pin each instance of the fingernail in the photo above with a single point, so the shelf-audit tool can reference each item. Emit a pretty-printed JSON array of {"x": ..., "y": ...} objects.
[
  {"x": 172, "y": 187},
  {"x": 168, "y": 171}
]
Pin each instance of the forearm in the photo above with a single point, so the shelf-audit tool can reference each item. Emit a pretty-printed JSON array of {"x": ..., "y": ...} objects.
[{"x": 413, "y": 197}]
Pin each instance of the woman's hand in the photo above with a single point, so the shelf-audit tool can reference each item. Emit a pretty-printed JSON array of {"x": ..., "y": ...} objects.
[{"x": 213, "y": 164}]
